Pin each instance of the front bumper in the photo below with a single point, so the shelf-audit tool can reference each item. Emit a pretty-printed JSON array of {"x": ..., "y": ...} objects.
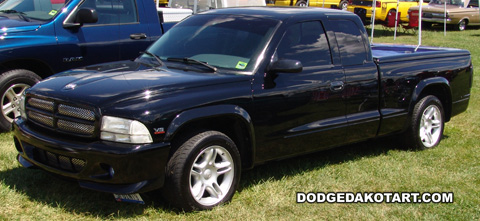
[{"x": 98, "y": 165}]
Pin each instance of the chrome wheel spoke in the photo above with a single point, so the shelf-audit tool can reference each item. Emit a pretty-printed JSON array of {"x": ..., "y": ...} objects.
[
  {"x": 200, "y": 190},
  {"x": 214, "y": 190},
  {"x": 210, "y": 155},
  {"x": 7, "y": 108},
  {"x": 223, "y": 167},
  {"x": 10, "y": 94}
]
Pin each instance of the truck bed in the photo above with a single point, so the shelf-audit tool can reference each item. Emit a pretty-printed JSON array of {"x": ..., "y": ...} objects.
[{"x": 383, "y": 53}]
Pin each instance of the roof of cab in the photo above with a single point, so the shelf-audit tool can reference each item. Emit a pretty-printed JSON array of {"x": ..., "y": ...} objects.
[{"x": 279, "y": 13}]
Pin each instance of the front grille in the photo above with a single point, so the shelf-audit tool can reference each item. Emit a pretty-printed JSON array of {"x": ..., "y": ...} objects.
[
  {"x": 57, "y": 161},
  {"x": 61, "y": 117}
]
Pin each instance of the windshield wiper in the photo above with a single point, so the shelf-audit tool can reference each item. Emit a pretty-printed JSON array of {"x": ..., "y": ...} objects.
[
  {"x": 11, "y": 11},
  {"x": 193, "y": 61},
  {"x": 154, "y": 56}
]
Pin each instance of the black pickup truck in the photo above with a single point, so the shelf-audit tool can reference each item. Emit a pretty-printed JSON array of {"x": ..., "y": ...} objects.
[{"x": 229, "y": 89}]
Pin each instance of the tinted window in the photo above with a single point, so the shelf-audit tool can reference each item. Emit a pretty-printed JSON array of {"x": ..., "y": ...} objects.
[
  {"x": 224, "y": 41},
  {"x": 307, "y": 43},
  {"x": 113, "y": 11},
  {"x": 353, "y": 50}
]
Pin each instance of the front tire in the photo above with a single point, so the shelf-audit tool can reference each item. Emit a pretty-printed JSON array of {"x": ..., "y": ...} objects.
[
  {"x": 426, "y": 128},
  {"x": 203, "y": 172},
  {"x": 461, "y": 25},
  {"x": 343, "y": 5},
  {"x": 12, "y": 85}
]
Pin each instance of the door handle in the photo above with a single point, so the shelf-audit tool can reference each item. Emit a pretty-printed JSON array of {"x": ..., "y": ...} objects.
[
  {"x": 336, "y": 86},
  {"x": 138, "y": 36}
]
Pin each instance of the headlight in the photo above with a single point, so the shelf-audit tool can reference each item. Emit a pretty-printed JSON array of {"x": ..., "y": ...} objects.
[
  {"x": 23, "y": 100},
  {"x": 124, "y": 131}
]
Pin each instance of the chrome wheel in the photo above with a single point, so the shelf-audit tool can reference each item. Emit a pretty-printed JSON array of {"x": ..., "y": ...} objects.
[
  {"x": 301, "y": 3},
  {"x": 431, "y": 126},
  {"x": 462, "y": 25},
  {"x": 11, "y": 101},
  {"x": 211, "y": 175},
  {"x": 344, "y": 5}
]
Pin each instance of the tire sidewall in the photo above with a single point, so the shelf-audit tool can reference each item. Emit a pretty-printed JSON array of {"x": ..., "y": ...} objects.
[
  {"x": 420, "y": 108},
  {"x": 9, "y": 78}
]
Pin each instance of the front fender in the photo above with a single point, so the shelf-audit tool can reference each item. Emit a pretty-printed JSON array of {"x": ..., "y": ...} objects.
[{"x": 214, "y": 111}]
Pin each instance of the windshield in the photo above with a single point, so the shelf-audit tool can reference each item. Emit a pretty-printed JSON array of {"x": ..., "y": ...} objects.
[
  {"x": 449, "y": 2},
  {"x": 200, "y": 5},
  {"x": 222, "y": 41},
  {"x": 32, "y": 9}
]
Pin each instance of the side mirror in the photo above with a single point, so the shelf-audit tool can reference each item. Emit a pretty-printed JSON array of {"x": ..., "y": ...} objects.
[
  {"x": 86, "y": 15},
  {"x": 287, "y": 66},
  {"x": 82, "y": 16}
]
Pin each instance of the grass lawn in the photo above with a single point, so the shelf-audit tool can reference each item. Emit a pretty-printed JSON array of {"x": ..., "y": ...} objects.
[{"x": 269, "y": 191}]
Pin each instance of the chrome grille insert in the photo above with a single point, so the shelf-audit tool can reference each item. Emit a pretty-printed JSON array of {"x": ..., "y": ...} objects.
[
  {"x": 75, "y": 127},
  {"x": 41, "y": 104},
  {"x": 41, "y": 118},
  {"x": 76, "y": 112},
  {"x": 61, "y": 117}
]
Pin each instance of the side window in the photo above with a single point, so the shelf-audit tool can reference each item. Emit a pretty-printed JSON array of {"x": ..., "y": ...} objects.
[
  {"x": 353, "y": 50},
  {"x": 307, "y": 43},
  {"x": 473, "y": 3},
  {"x": 113, "y": 11}
]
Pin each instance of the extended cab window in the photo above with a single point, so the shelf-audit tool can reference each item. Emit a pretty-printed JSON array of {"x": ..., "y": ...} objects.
[
  {"x": 113, "y": 11},
  {"x": 307, "y": 43},
  {"x": 353, "y": 50}
]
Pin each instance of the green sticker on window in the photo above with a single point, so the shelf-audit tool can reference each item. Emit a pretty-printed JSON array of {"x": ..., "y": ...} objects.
[
  {"x": 241, "y": 65},
  {"x": 52, "y": 12}
]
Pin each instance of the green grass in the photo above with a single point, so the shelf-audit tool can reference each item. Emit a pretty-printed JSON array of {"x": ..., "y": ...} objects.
[{"x": 268, "y": 191}]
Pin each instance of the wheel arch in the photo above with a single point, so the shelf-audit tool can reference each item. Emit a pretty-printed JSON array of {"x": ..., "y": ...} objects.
[
  {"x": 437, "y": 86},
  {"x": 36, "y": 66},
  {"x": 231, "y": 120}
]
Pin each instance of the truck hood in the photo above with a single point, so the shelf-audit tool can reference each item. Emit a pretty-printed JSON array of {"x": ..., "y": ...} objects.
[
  {"x": 117, "y": 82},
  {"x": 8, "y": 25}
]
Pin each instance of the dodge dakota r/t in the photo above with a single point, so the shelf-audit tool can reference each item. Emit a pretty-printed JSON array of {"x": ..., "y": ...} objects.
[{"x": 225, "y": 90}]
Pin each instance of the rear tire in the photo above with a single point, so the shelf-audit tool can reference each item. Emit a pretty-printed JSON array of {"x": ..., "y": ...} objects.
[
  {"x": 301, "y": 3},
  {"x": 343, "y": 5},
  {"x": 203, "y": 172},
  {"x": 12, "y": 85},
  {"x": 427, "y": 124}
]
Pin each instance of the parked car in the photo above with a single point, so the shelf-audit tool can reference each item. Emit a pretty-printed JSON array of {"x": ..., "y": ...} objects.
[
  {"x": 227, "y": 89},
  {"x": 41, "y": 37},
  {"x": 459, "y": 13},
  {"x": 382, "y": 8},
  {"x": 335, "y": 4}
]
